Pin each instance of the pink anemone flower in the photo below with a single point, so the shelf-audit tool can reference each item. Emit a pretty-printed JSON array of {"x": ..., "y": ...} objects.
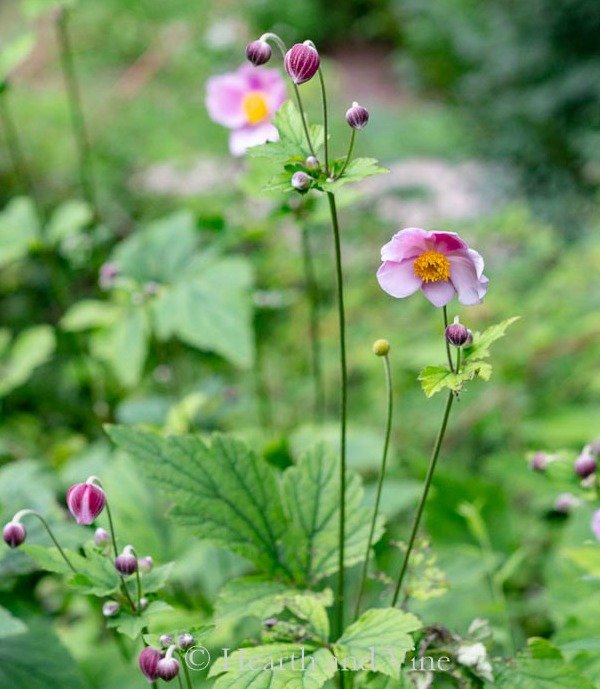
[
  {"x": 245, "y": 101},
  {"x": 438, "y": 263}
]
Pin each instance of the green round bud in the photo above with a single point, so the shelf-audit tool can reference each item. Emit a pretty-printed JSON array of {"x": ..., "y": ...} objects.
[{"x": 381, "y": 347}]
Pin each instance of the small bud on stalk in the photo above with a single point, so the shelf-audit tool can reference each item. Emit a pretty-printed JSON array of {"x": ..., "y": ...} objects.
[
  {"x": 110, "y": 608},
  {"x": 143, "y": 604},
  {"x": 168, "y": 667},
  {"x": 258, "y": 52},
  {"x": 565, "y": 502},
  {"x": 539, "y": 462},
  {"x": 357, "y": 116},
  {"x": 381, "y": 347},
  {"x": 185, "y": 641},
  {"x": 301, "y": 181},
  {"x": 311, "y": 163},
  {"x": 148, "y": 661},
  {"x": 301, "y": 62},
  {"x": 586, "y": 464},
  {"x": 146, "y": 563},
  {"x": 85, "y": 501},
  {"x": 166, "y": 640},
  {"x": 14, "y": 534},
  {"x": 126, "y": 563},
  {"x": 101, "y": 536},
  {"x": 458, "y": 335}
]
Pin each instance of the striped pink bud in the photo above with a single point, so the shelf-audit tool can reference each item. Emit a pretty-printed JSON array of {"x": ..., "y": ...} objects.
[
  {"x": 85, "y": 502},
  {"x": 301, "y": 62}
]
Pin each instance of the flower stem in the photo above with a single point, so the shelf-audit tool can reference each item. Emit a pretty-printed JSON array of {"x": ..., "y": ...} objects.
[
  {"x": 33, "y": 513},
  {"x": 386, "y": 444},
  {"x": 349, "y": 155},
  {"x": 186, "y": 672},
  {"x": 116, "y": 552},
  {"x": 312, "y": 293},
  {"x": 84, "y": 152},
  {"x": 343, "y": 409},
  {"x": 325, "y": 121},
  {"x": 448, "y": 353},
  {"x": 426, "y": 486}
]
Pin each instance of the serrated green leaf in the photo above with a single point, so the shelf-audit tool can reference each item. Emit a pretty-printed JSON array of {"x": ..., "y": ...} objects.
[
  {"x": 480, "y": 349},
  {"x": 251, "y": 668},
  {"x": 223, "y": 492},
  {"x": 10, "y": 625},
  {"x": 31, "y": 348},
  {"x": 89, "y": 314},
  {"x": 311, "y": 499},
  {"x": 379, "y": 640},
  {"x": 251, "y": 597},
  {"x": 357, "y": 169},
  {"x": 312, "y": 610},
  {"x": 132, "y": 625},
  {"x": 436, "y": 378},
  {"x": 530, "y": 673}
]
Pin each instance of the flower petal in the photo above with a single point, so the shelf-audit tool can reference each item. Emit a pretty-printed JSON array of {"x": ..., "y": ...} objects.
[
  {"x": 240, "y": 140},
  {"x": 445, "y": 242},
  {"x": 408, "y": 243},
  {"x": 224, "y": 98},
  {"x": 398, "y": 279},
  {"x": 465, "y": 275},
  {"x": 439, "y": 293}
]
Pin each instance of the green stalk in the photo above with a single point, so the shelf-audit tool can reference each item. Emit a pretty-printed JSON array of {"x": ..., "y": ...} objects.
[
  {"x": 325, "y": 120},
  {"x": 343, "y": 412},
  {"x": 386, "y": 444},
  {"x": 186, "y": 672},
  {"x": 82, "y": 141},
  {"x": 349, "y": 154},
  {"x": 33, "y": 513},
  {"x": 426, "y": 486},
  {"x": 449, "y": 355},
  {"x": 116, "y": 552}
]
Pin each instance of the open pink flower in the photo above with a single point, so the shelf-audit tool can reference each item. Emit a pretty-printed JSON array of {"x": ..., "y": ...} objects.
[
  {"x": 245, "y": 101},
  {"x": 438, "y": 263}
]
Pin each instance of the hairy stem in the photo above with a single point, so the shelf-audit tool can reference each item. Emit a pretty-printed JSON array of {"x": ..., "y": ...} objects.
[
  {"x": 386, "y": 444},
  {"x": 33, "y": 513}
]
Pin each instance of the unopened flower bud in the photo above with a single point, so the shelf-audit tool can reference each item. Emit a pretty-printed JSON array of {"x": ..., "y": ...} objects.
[
  {"x": 458, "y": 335},
  {"x": 167, "y": 668},
  {"x": 166, "y": 640},
  {"x": 85, "y": 501},
  {"x": 108, "y": 273},
  {"x": 357, "y": 116},
  {"x": 126, "y": 563},
  {"x": 539, "y": 462},
  {"x": 110, "y": 608},
  {"x": 258, "y": 52},
  {"x": 381, "y": 347},
  {"x": 14, "y": 534},
  {"x": 185, "y": 641},
  {"x": 146, "y": 563},
  {"x": 148, "y": 661},
  {"x": 101, "y": 536},
  {"x": 311, "y": 163},
  {"x": 586, "y": 464},
  {"x": 301, "y": 62},
  {"x": 143, "y": 603},
  {"x": 301, "y": 181},
  {"x": 565, "y": 502},
  {"x": 270, "y": 622}
]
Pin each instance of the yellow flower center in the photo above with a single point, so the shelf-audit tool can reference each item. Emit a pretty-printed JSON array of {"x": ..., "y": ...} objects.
[
  {"x": 432, "y": 266},
  {"x": 255, "y": 107}
]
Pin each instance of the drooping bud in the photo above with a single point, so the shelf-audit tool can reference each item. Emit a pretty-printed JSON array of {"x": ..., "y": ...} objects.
[
  {"x": 101, "y": 536},
  {"x": 14, "y": 534},
  {"x": 301, "y": 181},
  {"x": 357, "y": 116},
  {"x": 185, "y": 641},
  {"x": 301, "y": 62},
  {"x": 126, "y": 563},
  {"x": 258, "y": 52},
  {"x": 85, "y": 501},
  {"x": 166, "y": 640},
  {"x": 596, "y": 524},
  {"x": 586, "y": 464},
  {"x": 381, "y": 347},
  {"x": 539, "y": 462},
  {"x": 148, "y": 661},
  {"x": 146, "y": 563},
  {"x": 270, "y": 622},
  {"x": 110, "y": 608},
  {"x": 311, "y": 163},
  {"x": 167, "y": 668},
  {"x": 458, "y": 335}
]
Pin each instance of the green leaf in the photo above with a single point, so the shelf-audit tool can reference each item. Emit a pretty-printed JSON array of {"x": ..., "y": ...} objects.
[
  {"x": 252, "y": 597},
  {"x": 89, "y": 314},
  {"x": 31, "y": 348},
  {"x": 480, "y": 349},
  {"x": 379, "y": 640},
  {"x": 13, "y": 53},
  {"x": 37, "y": 660},
  {"x": 357, "y": 169},
  {"x": 10, "y": 625},
  {"x": 530, "y": 673},
  {"x": 132, "y": 625},
  {"x": 19, "y": 230},
  {"x": 311, "y": 497},
  {"x": 312, "y": 609},
  {"x": 69, "y": 219},
  {"x": 222, "y": 491},
  {"x": 277, "y": 666}
]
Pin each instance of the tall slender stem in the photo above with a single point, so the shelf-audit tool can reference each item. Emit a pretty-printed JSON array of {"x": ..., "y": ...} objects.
[
  {"x": 116, "y": 552},
  {"x": 343, "y": 410},
  {"x": 312, "y": 293},
  {"x": 386, "y": 445},
  {"x": 448, "y": 354},
  {"x": 33, "y": 513},
  {"x": 423, "y": 500},
  {"x": 15, "y": 152},
  {"x": 84, "y": 151},
  {"x": 325, "y": 121},
  {"x": 349, "y": 155},
  {"x": 186, "y": 672}
]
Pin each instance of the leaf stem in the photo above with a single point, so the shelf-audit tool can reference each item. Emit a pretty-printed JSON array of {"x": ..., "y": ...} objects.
[
  {"x": 116, "y": 552},
  {"x": 386, "y": 444},
  {"x": 186, "y": 672},
  {"x": 422, "y": 501},
  {"x": 343, "y": 411},
  {"x": 448, "y": 353},
  {"x": 349, "y": 155},
  {"x": 33, "y": 513},
  {"x": 325, "y": 120},
  {"x": 82, "y": 141}
]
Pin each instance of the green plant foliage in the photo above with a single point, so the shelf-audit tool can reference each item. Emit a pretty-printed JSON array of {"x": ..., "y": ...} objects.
[
  {"x": 32, "y": 348},
  {"x": 19, "y": 230},
  {"x": 10, "y": 625}
]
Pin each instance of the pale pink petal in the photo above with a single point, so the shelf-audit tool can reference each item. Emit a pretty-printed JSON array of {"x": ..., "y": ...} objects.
[
  {"x": 439, "y": 293},
  {"x": 398, "y": 279},
  {"x": 224, "y": 98},
  {"x": 444, "y": 242},
  {"x": 240, "y": 140},
  {"x": 269, "y": 81},
  {"x": 465, "y": 275},
  {"x": 408, "y": 243}
]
